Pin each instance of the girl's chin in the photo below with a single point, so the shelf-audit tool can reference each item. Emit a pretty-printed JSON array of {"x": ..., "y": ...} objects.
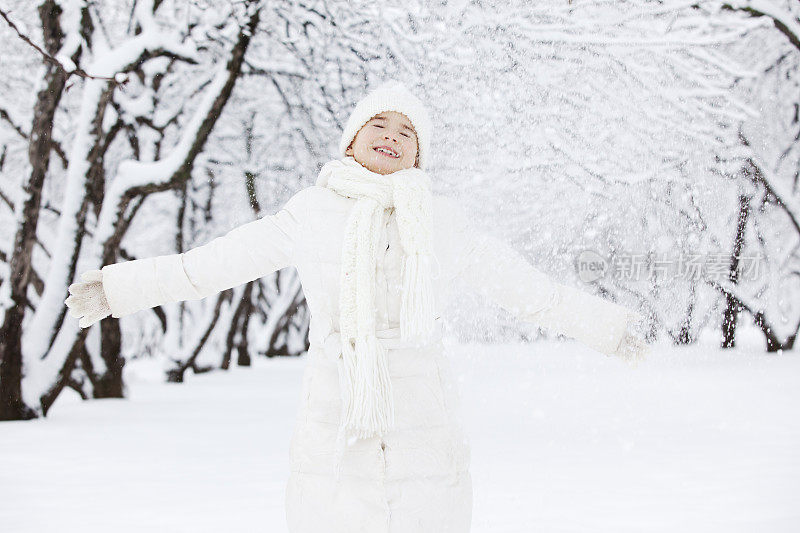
[
  {"x": 379, "y": 164},
  {"x": 383, "y": 170},
  {"x": 381, "y": 167}
]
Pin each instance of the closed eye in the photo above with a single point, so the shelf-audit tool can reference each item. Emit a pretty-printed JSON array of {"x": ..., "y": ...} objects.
[{"x": 404, "y": 134}]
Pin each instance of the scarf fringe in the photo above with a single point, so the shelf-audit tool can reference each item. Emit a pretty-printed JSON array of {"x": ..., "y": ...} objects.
[{"x": 369, "y": 409}]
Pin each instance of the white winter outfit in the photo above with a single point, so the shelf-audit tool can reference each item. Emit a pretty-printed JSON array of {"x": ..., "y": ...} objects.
[
  {"x": 416, "y": 477},
  {"x": 408, "y": 472}
]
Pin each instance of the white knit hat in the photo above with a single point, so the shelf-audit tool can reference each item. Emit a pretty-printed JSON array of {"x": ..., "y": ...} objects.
[{"x": 390, "y": 96}]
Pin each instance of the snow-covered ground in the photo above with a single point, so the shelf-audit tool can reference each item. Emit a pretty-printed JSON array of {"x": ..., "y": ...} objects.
[{"x": 563, "y": 440}]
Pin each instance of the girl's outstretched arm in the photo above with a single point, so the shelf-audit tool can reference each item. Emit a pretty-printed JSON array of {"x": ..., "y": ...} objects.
[
  {"x": 241, "y": 255},
  {"x": 501, "y": 274}
]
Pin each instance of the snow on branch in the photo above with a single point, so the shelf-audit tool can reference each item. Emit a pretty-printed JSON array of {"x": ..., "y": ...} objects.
[
  {"x": 786, "y": 22},
  {"x": 139, "y": 177},
  {"x": 62, "y": 61}
]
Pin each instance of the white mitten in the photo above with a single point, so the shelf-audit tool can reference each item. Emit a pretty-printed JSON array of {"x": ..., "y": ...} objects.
[
  {"x": 88, "y": 300},
  {"x": 632, "y": 347}
]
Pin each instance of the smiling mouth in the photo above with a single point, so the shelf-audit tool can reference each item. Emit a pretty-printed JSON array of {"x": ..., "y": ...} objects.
[{"x": 388, "y": 152}]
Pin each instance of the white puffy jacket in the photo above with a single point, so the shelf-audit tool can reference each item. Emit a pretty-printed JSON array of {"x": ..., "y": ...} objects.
[{"x": 416, "y": 478}]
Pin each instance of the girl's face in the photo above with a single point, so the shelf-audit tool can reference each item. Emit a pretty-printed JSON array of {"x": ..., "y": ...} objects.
[{"x": 385, "y": 144}]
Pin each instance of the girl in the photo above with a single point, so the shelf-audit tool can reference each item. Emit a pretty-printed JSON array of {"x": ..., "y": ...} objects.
[{"x": 377, "y": 445}]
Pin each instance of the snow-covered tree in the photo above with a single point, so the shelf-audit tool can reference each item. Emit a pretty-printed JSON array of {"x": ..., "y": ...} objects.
[
  {"x": 593, "y": 126},
  {"x": 628, "y": 130},
  {"x": 183, "y": 112},
  {"x": 762, "y": 167}
]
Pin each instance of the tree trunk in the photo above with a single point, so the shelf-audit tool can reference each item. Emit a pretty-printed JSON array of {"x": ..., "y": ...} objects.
[
  {"x": 243, "y": 350},
  {"x": 12, "y": 406},
  {"x": 65, "y": 375},
  {"x": 732, "y": 307},
  {"x": 685, "y": 336},
  {"x": 175, "y": 375}
]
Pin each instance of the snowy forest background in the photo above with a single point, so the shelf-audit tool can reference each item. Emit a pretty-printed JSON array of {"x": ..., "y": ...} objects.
[{"x": 643, "y": 132}]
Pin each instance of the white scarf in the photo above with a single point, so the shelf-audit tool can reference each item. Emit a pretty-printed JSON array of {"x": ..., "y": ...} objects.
[{"x": 367, "y": 394}]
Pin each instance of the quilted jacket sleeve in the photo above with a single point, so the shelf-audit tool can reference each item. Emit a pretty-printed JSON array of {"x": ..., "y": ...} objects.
[
  {"x": 243, "y": 254},
  {"x": 495, "y": 270}
]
